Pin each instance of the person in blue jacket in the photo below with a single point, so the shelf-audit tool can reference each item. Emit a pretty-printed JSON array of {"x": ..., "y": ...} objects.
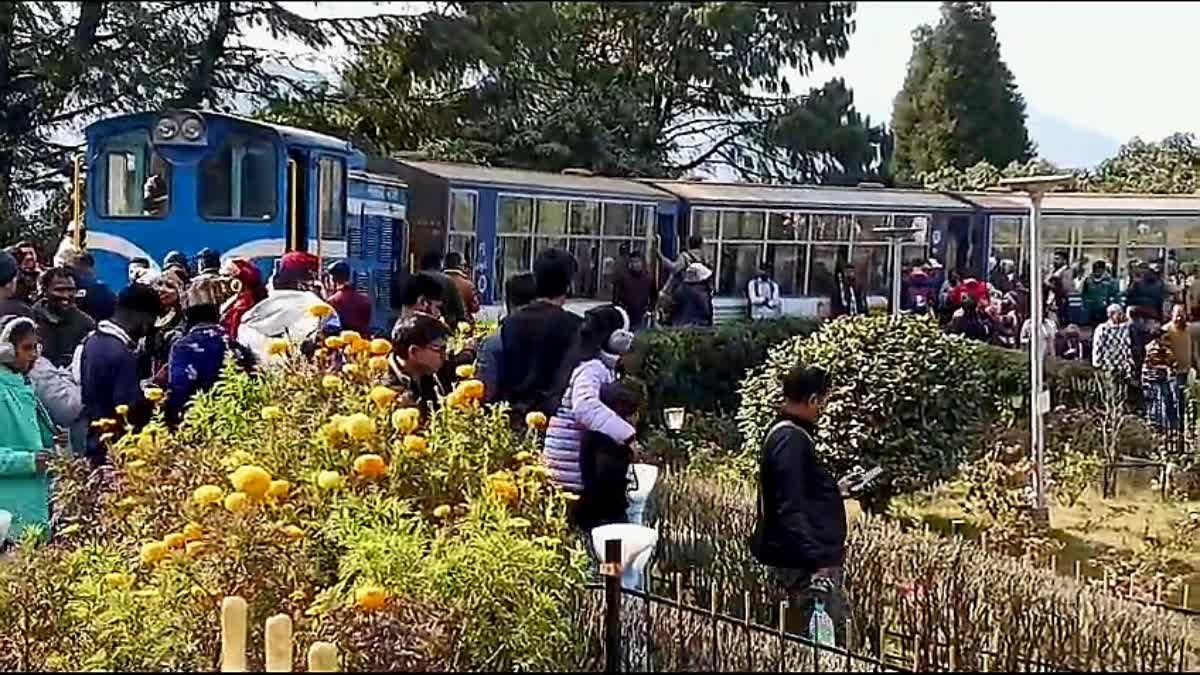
[{"x": 26, "y": 431}]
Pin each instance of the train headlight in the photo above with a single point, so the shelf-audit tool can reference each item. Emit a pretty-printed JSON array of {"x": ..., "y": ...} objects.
[
  {"x": 192, "y": 129},
  {"x": 166, "y": 129}
]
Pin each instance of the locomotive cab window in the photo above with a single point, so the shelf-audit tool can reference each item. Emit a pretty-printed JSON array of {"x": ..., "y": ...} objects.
[
  {"x": 239, "y": 181},
  {"x": 331, "y": 196},
  {"x": 135, "y": 181}
]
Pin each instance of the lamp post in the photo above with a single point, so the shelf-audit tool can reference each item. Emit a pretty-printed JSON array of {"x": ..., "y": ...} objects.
[
  {"x": 1039, "y": 397},
  {"x": 896, "y": 237}
]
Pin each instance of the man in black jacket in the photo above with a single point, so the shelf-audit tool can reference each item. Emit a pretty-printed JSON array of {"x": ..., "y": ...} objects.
[{"x": 801, "y": 528}]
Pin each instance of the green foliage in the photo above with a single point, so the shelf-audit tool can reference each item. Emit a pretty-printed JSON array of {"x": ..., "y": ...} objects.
[
  {"x": 700, "y": 368},
  {"x": 1171, "y": 166},
  {"x": 905, "y": 396},
  {"x": 640, "y": 81},
  {"x": 959, "y": 104}
]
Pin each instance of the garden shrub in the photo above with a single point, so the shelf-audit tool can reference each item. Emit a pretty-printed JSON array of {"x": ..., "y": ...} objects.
[
  {"x": 905, "y": 396},
  {"x": 700, "y": 368}
]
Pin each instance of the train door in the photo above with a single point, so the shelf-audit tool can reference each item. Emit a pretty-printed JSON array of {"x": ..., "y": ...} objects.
[{"x": 298, "y": 172}]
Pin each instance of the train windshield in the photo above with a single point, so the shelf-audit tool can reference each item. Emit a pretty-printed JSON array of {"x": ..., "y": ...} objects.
[
  {"x": 135, "y": 180},
  {"x": 239, "y": 180}
]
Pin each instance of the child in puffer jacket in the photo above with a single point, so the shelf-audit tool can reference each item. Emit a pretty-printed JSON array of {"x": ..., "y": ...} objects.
[{"x": 604, "y": 463}]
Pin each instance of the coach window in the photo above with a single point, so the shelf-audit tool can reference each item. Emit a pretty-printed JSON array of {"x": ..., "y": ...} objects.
[
  {"x": 331, "y": 196},
  {"x": 135, "y": 180},
  {"x": 240, "y": 181}
]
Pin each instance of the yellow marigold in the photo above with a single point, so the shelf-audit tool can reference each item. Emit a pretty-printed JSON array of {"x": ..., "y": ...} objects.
[
  {"x": 329, "y": 480},
  {"x": 192, "y": 532},
  {"x": 370, "y": 466},
  {"x": 359, "y": 426},
  {"x": 320, "y": 353},
  {"x": 334, "y": 342},
  {"x": 357, "y": 346},
  {"x": 536, "y": 420},
  {"x": 153, "y": 394},
  {"x": 153, "y": 552},
  {"x": 293, "y": 533},
  {"x": 206, "y": 495},
  {"x": 417, "y": 445},
  {"x": 122, "y": 410},
  {"x": 517, "y": 523},
  {"x": 279, "y": 489},
  {"x": 351, "y": 369},
  {"x": 331, "y": 382},
  {"x": 349, "y": 336},
  {"x": 118, "y": 580},
  {"x": 272, "y": 412},
  {"x": 370, "y": 598},
  {"x": 378, "y": 364},
  {"x": 465, "y": 371},
  {"x": 381, "y": 347},
  {"x": 383, "y": 396},
  {"x": 473, "y": 389},
  {"x": 331, "y": 431},
  {"x": 278, "y": 347},
  {"x": 174, "y": 540},
  {"x": 406, "y": 420},
  {"x": 237, "y": 502},
  {"x": 320, "y": 311},
  {"x": 252, "y": 480},
  {"x": 523, "y": 456},
  {"x": 195, "y": 549},
  {"x": 442, "y": 511},
  {"x": 455, "y": 399},
  {"x": 505, "y": 490}
]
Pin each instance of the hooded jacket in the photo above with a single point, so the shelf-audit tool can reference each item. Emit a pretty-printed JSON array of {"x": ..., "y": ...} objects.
[{"x": 25, "y": 430}]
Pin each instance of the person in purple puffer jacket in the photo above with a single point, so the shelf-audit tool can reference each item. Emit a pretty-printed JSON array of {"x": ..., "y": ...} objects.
[{"x": 603, "y": 338}]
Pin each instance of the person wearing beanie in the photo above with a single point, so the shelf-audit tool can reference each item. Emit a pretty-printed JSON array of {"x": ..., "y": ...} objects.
[
  {"x": 106, "y": 368},
  {"x": 289, "y": 311},
  {"x": 9, "y": 273},
  {"x": 198, "y": 355},
  {"x": 352, "y": 305}
]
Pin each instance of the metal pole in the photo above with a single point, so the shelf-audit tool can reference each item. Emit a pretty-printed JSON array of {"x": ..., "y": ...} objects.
[
  {"x": 896, "y": 256},
  {"x": 1037, "y": 357},
  {"x": 611, "y": 570}
]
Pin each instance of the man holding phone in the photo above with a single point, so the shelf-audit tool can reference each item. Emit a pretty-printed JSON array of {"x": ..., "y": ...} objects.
[{"x": 801, "y": 528}]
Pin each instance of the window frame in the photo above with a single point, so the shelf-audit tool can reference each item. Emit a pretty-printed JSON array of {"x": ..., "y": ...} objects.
[
  {"x": 343, "y": 230},
  {"x": 277, "y": 152},
  {"x": 100, "y": 198}
]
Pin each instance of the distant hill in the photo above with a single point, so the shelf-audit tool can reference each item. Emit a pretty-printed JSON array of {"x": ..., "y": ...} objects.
[{"x": 1066, "y": 145}]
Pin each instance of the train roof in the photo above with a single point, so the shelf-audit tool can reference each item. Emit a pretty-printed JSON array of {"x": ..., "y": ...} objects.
[
  {"x": 1090, "y": 203},
  {"x": 289, "y": 135},
  {"x": 524, "y": 179},
  {"x": 734, "y": 195}
]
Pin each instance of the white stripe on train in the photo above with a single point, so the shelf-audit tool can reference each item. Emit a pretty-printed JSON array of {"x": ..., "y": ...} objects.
[{"x": 256, "y": 248}]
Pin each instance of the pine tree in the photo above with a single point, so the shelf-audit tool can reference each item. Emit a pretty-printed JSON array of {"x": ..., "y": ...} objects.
[{"x": 959, "y": 105}]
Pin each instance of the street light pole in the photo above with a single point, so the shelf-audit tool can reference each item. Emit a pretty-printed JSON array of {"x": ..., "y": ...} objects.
[{"x": 1039, "y": 398}]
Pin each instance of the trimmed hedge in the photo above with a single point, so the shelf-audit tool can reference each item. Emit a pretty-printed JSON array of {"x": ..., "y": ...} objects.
[{"x": 700, "y": 368}]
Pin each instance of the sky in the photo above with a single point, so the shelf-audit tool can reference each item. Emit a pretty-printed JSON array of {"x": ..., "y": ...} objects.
[{"x": 1093, "y": 75}]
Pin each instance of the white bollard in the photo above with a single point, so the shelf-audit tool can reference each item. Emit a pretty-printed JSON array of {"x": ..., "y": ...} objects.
[
  {"x": 645, "y": 476},
  {"x": 637, "y": 546}
]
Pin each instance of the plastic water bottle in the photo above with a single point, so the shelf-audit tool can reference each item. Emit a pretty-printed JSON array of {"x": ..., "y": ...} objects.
[{"x": 820, "y": 626}]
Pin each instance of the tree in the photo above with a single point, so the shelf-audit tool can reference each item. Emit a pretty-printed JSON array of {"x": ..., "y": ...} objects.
[
  {"x": 959, "y": 104},
  {"x": 1170, "y": 166},
  {"x": 63, "y": 64},
  {"x": 630, "y": 88}
]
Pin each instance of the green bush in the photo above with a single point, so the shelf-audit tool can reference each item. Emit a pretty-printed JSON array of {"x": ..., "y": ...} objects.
[
  {"x": 1071, "y": 383},
  {"x": 905, "y": 396},
  {"x": 700, "y": 368}
]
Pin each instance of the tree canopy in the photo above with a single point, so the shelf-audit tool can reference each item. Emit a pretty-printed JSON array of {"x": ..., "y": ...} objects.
[
  {"x": 959, "y": 104},
  {"x": 629, "y": 88}
]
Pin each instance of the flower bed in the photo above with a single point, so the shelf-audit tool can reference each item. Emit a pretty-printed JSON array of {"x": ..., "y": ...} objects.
[{"x": 438, "y": 545}]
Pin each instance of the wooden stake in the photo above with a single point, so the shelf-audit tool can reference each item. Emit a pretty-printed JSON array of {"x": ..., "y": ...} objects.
[
  {"x": 279, "y": 644},
  {"x": 233, "y": 635}
]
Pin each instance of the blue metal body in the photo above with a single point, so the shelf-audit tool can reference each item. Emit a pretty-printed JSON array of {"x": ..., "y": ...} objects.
[
  {"x": 376, "y": 239},
  {"x": 116, "y": 238}
]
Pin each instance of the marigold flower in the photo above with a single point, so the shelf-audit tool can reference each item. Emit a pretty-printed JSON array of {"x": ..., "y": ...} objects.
[
  {"x": 153, "y": 394},
  {"x": 381, "y": 347},
  {"x": 329, "y": 480},
  {"x": 331, "y": 382},
  {"x": 442, "y": 511},
  {"x": 334, "y": 342},
  {"x": 278, "y": 347},
  {"x": 195, "y": 549},
  {"x": 192, "y": 532},
  {"x": 383, "y": 396},
  {"x": 359, "y": 426},
  {"x": 154, "y": 551},
  {"x": 536, "y": 420},
  {"x": 206, "y": 495},
  {"x": 406, "y": 420},
  {"x": 293, "y": 533},
  {"x": 370, "y": 466},
  {"x": 378, "y": 364},
  {"x": 118, "y": 580},
  {"x": 236, "y": 502},
  {"x": 351, "y": 369},
  {"x": 417, "y": 445},
  {"x": 465, "y": 371},
  {"x": 279, "y": 489},
  {"x": 357, "y": 346},
  {"x": 254, "y": 481},
  {"x": 349, "y": 336},
  {"x": 122, "y": 410},
  {"x": 320, "y": 310},
  {"x": 473, "y": 389},
  {"x": 320, "y": 353},
  {"x": 174, "y": 540},
  {"x": 370, "y": 598},
  {"x": 272, "y": 412}
]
